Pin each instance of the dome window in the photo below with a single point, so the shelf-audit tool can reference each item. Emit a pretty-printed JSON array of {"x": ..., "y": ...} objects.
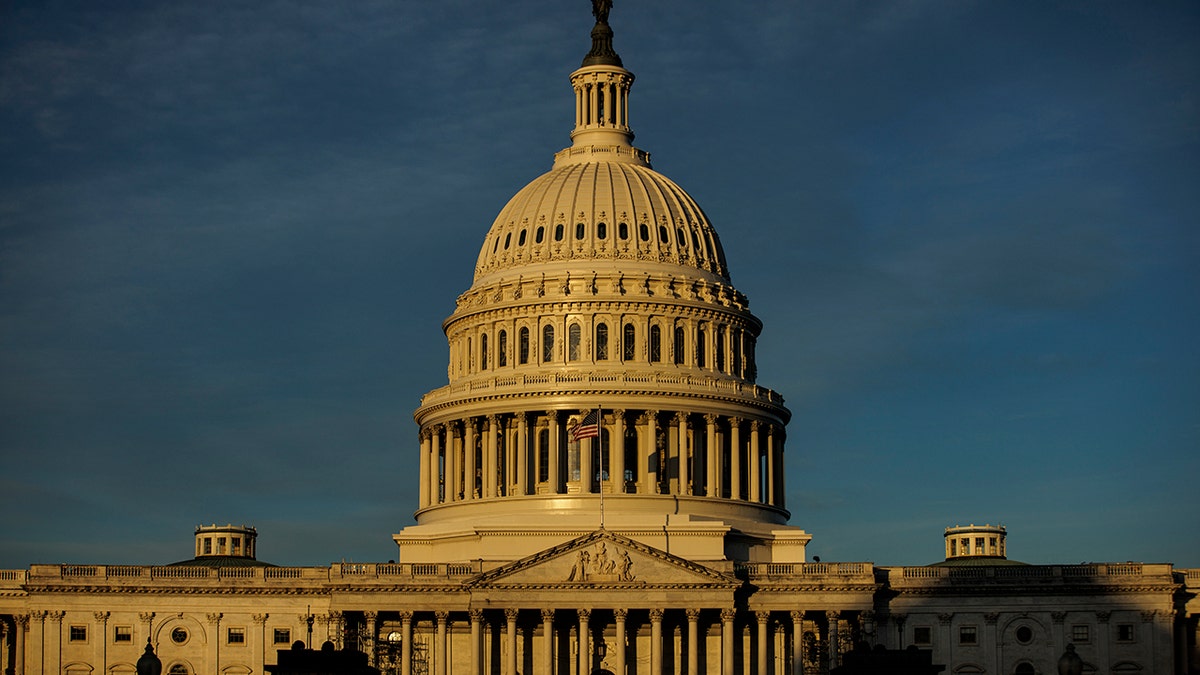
[
  {"x": 502, "y": 348},
  {"x": 720, "y": 349},
  {"x": 496, "y": 246},
  {"x": 521, "y": 238},
  {"x": 628, "y": 342},
  {"x": 601, "y": 230},
  {"x": 507, "y": 240},
  {"x": 580, "y": 230},
  {"x": 663, "y": 235},
  {"x": 541, "y": 234},
  {"x": 523, "y": 346},
  {"x": 679, "y": 347},
  {"x": 679, "y": 237},
  {"x": 701, "y": 345},
  {"x": 558, "y": 232},
  {"x": 644, "y": 232},
  {"x": 695, "y": 242},
  {"x": 548, "y": 342},
  {"x": 655, "y": 344},
  {"x": 483, "y": 352},
  {"x": 623, "y": 230},
  {"x": 574, "y": 338},
  {"x": 601, "y": 341}
]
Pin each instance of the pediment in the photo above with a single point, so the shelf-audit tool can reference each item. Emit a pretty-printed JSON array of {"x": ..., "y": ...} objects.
[{"x": 602, "y": 559}]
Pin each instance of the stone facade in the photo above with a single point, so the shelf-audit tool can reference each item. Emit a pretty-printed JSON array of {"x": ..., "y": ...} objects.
[{"x": 601, "y": 491}]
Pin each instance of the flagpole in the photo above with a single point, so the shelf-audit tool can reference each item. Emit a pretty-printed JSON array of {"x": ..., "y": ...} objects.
[{"x": 600, "y": 445}]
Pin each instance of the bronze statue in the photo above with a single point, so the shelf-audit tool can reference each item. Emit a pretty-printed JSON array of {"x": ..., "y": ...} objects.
[{"x": 600, "y": 9}]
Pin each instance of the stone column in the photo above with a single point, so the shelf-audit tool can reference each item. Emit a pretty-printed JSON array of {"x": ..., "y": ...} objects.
[
  {"x": 1102, "y": 639},
  {"x": 769, "y": 497},
  {"x": 735, "y": 458},
  {"x": 1059, "y": 633},
  {"x": 470, "y": 490},
  {"x": 616, "y": 455},
  {"x": 510, "y": 625},
  {"x": 991, "y": 642},
  {"x": 711, "y": 452},
  {"x": 100, "y": 642},
  {"x": 693, "y": 633},
  {"x": 779, "y": 488},
  {"x": 214, "y": 652},
  {"x": 522, "y": 453},
  {"x": 727, "y": 635},
  {"x": 148, "y": 619},
  {"x": 372, "y": 629},
  {"x": 423, "y": 492},
  {"x": 21, "y": 628},
  {"x": 621, "y": 647},
  {"x": 260, "y": 643},
  {"x": 585, "y": 649},
  {"x": 762, "y": 620},
  {"x": 489, "y": 457},
  {"x": 406, "y": 633},
  {"x": 441, "y": 654},
  {"x": 436, "y": 480},
  {"x": 944, "y": 621},
  {"x": 797, "y": 642},
  {"x": 755, "y": 469},
  {"x": 547, "y": 642},
  {"x": 4, "y": 646},
  {"x": 656, "y": 642},
  {"x": 553, "y": 471},
  {"x": 648, "y": 479},
  {"x": 475, "y": 662},
  {"x": 453, "y": 468},
  {"x": 684, "y": 461}
]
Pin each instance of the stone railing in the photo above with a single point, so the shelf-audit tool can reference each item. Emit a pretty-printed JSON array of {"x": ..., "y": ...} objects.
[
  {"x": 767, "y": 571},
  {"x": 144, "y": 573},
  {"x": 555, "y": 382},
  {"x": 405, "y": 570},
  {"x": 1086, "y": 573}
]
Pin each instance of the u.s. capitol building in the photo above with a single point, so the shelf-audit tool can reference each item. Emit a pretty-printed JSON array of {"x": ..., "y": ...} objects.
[{"x": 601, "y": 491}]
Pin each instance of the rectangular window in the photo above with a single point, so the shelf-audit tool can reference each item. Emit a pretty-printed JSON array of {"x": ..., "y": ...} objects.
[
  {"x": 123, "y": 634},
  {"x": 283, "y": 636},
  {"x": 78, "y": 634},
  {"x": 236, "y": 544},
  {"x": 953, "y": 547},
  {"x": 207, "y": 545},
  {"x": 1080, "y": 634},
  {"x": 967, "y": 635},
  {"x": 978, "y": 545},
  {"x": 922, "y": 635},
  {"x": 221, "y": 545},
  {"x": 237, "y": 636},
  {"x": 1125, "y": 632}
]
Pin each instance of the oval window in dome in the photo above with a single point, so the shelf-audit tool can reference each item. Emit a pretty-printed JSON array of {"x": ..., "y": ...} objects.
[
  {"x": 496, "y": 246},
  {"x": 507, "y": 240},
  {"x": 540, "y": 235},
  {"x": 623, "y": 230},
  {"x": 558, "y": 232},
  {"x": 679, "y": 237},
  {"x": 695, "y": 241},
  {"x": 579, "y": 230},
  {"x": 601, "y": 230},
  {"x": 663, "y": 236},
  {"x": 644, "y": 232},
  {"x": 521, "y": 238}
]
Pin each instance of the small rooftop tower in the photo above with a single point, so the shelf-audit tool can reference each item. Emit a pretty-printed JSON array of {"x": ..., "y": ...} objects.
[
  {"x": 225, "y": 541},
  {"x": 975, "y": 541}
]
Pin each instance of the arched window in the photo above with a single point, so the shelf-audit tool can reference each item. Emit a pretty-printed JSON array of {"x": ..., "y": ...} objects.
[
  {"x": 507, "y": 240},
  {"x": 701, "y": 345},
  {"x": 736, "y": 338},
  {"x": 580, "y": 230},
  {"x": 628, "y": 343},
  {"x": 678, "y": 345},
  {"x": 601, "y": 230},
  {"x": 521, "y": 238},
  {"x": 663, "y": 235},
  {"x": 623, "y": 230},
  {"x": 178, "y": 669},
  {"x": 543, "y": 449},
  {"x": 540, "y": 235},
  {"x": 496, "y": 246},
  {"x": 547, "y": 344},
  {"x": 601, "y": 342},
  {"x": 483, "y": 354},
  {"x": 558, "y": 232},
  {"x": 655, "y": 344},
  {"x": 720, "y": 360},
  {"x": 523, "y": 346},
  {"x": 502, "y": 349},
  {"x": 573, "y": 339},
  {"x": 1024, "y": 668},
  {"x": 644, "y": 232},
  {"x": 470, "y": 364},
  {"x": 680, "y": 237}
]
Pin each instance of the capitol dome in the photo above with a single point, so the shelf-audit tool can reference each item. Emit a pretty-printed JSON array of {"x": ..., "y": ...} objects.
[{"x": 602, "y": 369}]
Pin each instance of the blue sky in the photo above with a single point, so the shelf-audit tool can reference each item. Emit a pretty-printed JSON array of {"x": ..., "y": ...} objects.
[{"x": 229, "y": 233}]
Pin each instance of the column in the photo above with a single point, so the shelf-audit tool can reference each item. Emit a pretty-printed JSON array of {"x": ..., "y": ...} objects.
[
  {"x": 797, "y": 642},
  {"x": 37, "y": 639},
  {"x": 372, "y": 621},
  {"x": 468, "y": 452},
  {"x": 452, "y": 468},
  {"x": 647, "y": 479},
  {"x": 510, "y": 625},
  {"x": 4, "y": 646},
  {"x": 21, "y": 626},
  {"x": 441, "y": 654},
  {"x": 585, "y": 648},
  {"x": 522, "y": 453},
  {"x": 1102, "y": 639},
  {"x": 761, "y": 618},
  {"x": 727, "y": 635},
  {"x": 684, "y": 455},
  {"x": 769, "y": 497},
  {"x": 587, "y": 449},
  {"x": 735, "y": 458},
  {"x": 991, "y": 643},
  {"x": 621, "y": 647},
  {"x": 779, "y": 488},
  {"x": 260, "y": 643},
  {"x": 489, "y": 457},
  {"x": 435, "y": 479},
  {"x": 101, "y": 644},
  {"x": 944, "y": 621},
  {"x": 711, "y": 451},
  {"x": 616, "y": 452},
  {"x": 693, "y": 632},
  {"x": 656, "y": 642},
  {"x": 547, "y": 642},
  {"x": 214, "y": 653},
  {"x": 406, "y": 643},
  {"x": 423, "y": 492},
  {"x": 755, "y": 469},
  {"x": 554, "y": 452},
  {"x": 474, "y": 663},
  {"x": 148, "y": 619}
]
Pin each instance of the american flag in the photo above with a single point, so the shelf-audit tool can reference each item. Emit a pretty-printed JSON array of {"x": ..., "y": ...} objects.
[{"x": 588, "y": 427}]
